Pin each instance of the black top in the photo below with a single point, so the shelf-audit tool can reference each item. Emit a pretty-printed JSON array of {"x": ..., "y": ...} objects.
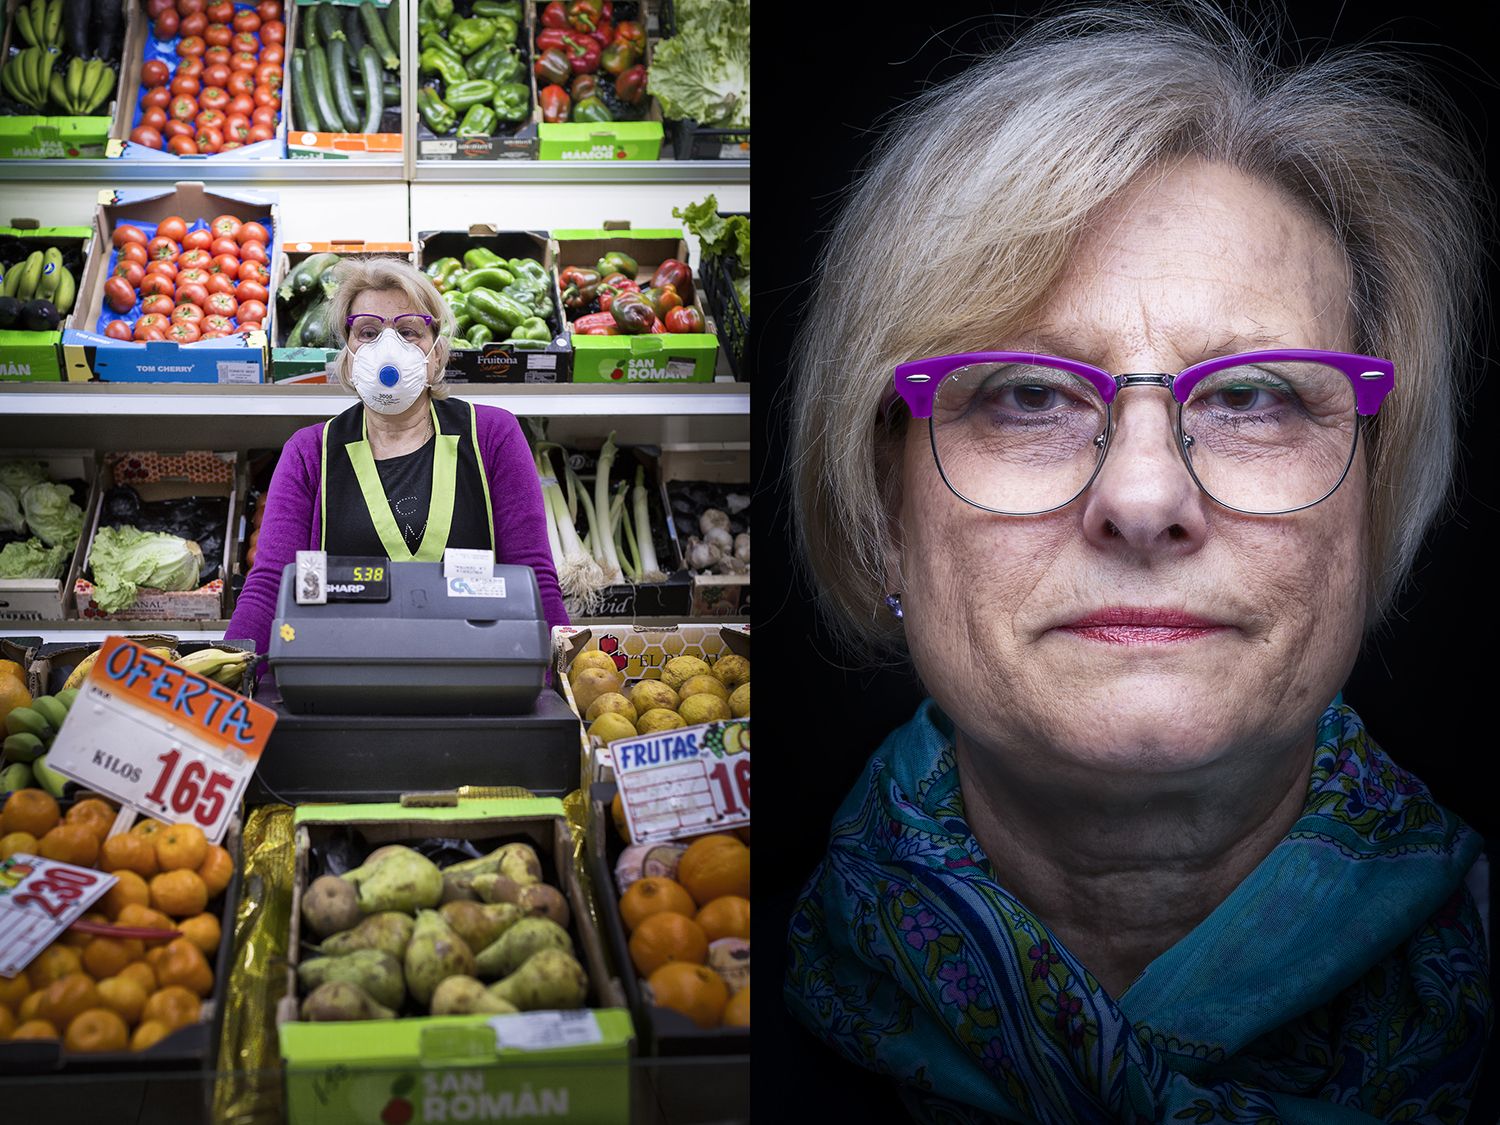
[{"x": 407, "y": 481}]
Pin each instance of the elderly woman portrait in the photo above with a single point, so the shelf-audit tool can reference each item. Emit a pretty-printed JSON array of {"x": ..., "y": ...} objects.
[{"x": 1139, "y": 456}]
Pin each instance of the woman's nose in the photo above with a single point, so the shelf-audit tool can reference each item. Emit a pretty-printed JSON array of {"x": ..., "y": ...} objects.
[{"x": 1144, "y": 500}]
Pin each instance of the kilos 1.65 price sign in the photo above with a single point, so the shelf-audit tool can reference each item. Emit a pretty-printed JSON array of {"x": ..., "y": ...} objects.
[
  {"x": 685, "y": 781},
  {"x": 165, "y": 741}
]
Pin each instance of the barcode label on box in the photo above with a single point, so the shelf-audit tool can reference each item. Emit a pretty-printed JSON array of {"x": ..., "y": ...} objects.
[
  {"x": 236, "y": 371},
  {"x": 544, "y": 1031},
  {"x": 543, "y": 363},
  {"x": 680, "y": 368}
]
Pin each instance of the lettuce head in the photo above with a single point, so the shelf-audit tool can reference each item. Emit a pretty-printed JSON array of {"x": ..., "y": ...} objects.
[
  {"x": 52, "y": 515},
  {"x": 33, "y": 559},
  {"x": 10, "y": 512},
  {"x": 125, "y": 560}
]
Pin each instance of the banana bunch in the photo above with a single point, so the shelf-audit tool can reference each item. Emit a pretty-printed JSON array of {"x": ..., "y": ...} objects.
[
  {"x": 31, "y": 78},
  {"x": 29, "y": 734},
  {"x": 81, "y": 670},
  {"x": 42, "y": 277},
  {"x": 222, "y": 665},
  {"x": 40, "y": 22}
]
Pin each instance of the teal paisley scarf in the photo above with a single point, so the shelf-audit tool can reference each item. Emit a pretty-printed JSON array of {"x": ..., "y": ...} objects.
[{"x": 1345, "y": 979}]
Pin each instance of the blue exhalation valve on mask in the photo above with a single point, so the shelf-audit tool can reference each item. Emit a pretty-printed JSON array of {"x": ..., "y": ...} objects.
[{"x": 389, "y": 376}]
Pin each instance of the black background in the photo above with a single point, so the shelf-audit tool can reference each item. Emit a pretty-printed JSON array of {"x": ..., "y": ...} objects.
[{"x": 1424, "y": 685}]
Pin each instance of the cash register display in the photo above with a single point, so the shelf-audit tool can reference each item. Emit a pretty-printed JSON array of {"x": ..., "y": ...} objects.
[{"x": 358, "y": 578}]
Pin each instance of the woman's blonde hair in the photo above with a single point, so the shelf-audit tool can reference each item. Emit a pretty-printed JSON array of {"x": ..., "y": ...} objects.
[
  {"x": 973, "y": 200},
  {"x": 360, "y": 275}
]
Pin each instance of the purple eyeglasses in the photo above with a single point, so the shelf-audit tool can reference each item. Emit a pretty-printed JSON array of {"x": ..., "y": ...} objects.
[
  {"x": 361, "y": 328},
  {"x": 1263, "y": 433}
]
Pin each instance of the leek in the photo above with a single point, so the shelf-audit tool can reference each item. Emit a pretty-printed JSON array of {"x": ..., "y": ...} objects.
[
  {"x": 578, "y": 575},
  {"x": 649, "y": 571},
  {"x": 624, "y": 534},
  {"x": 602, "y": 539}
]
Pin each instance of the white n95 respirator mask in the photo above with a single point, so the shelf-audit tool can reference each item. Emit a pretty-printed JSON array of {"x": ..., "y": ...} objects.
[{"x": 389, "y": 373}]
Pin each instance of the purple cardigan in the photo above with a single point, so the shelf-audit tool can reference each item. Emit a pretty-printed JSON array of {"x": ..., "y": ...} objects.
[{"x": 292, "y": 520}]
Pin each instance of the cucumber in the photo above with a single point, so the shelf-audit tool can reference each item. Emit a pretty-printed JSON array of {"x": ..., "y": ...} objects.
[
  {"x": 378, "y": 38},
  {"x": 389, "y": 90},
  {"x": 338, "y": 79},
  {"x": 369, "y": 63},
  {"x": 354, "y": 33},
  {"x": 304, "y": 278},
  {"x": 393, "y": 21},
  {"x": 307, "y": 117},
  {"x": 311, "y": 327},
  {"x": 322, "y": 91},
  {"x": 328, "y": 24},
  {"x": 310, "y": 36}
]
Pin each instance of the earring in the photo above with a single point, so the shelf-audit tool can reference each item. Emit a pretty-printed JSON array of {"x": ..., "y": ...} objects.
[{"x": 893, "y": 603}]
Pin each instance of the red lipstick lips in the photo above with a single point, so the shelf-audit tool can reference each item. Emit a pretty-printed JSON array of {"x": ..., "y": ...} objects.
[{"x": 1141, "y": 625}]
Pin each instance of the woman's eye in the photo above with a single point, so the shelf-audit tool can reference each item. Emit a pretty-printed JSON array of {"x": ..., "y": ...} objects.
[
  {"x": 1245, "y": 397},
  {"x": 1034, "y": 397}
]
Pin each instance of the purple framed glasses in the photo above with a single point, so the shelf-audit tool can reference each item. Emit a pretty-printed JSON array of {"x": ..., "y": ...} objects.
[
  {"x": 1263, "y": 433},
  {"x": 361, "y": 328}
]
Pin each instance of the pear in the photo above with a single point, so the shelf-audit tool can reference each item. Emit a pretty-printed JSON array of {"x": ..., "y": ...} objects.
[
  {"x": 545, "y": 901},
  {"x": 515, "y": 945},
  {"x": 548, "y": 980},
  {"x": 374, "y": 970},
  {"x": 401, "y": 879},
  {"x": 329, "y": 905},
  {"x": 495, "y": 888},
  {"x": 389, "y": 931},
  {"x": 463, "y": 996},
  {"x": 435, "y": 953},
  {"x": 456, "y": 888},
  {"x": 343, "y": 1000},
  {"x": 520, "y": 864},
  {"x": 480, "y": 924}
]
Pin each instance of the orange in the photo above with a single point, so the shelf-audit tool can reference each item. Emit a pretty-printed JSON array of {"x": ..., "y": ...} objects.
[
  {"x": 35, "y": 1029},
  {"x": 70, "y": 843},
  {"x": 143, "y": 916},
  {"x": 694, "y": 990},
  {"x": 97, "y": 1029},
  {"x": 142, "y": 973},
  {"x": 216, "y": 869},
  {"x": 53, "y": 963},
  {"x": 106, "y": 956},
  {"x": 203, "y": 931},
  {"x": 13, "y": 694},
  {"x": 7, "y": 1022},
  {"x": 179, "y": 846},
  {"x": 124, "y": 996},
  {"x": 667, "y": 937},
  {"x": 31, "y": 1006},
  {"x": 182, "y": 963},
  {"x": 726, "y": 916},
  {"x": 127, "y": 852},
  {"x": 93, "y": 813},
  {"x": 66, "y": 998},
  {"x": 30, "y": 810},
  {"x": 11, "y": 668},
  {"x": 737, "y": 1011},
  {"x": 174, "y": 1006},
  {"x": 714, "y": 866},
  {"x": 654, "y": 894},
  {"x": 149, "y": 1034},
  {"x": 14, "y": 989},
  {"x": 130, "y": 888},
  {"x": 13, "y": 842},
  {"x": 78, "y": 939},
  {"x": 147, "y": 828},
  {"x": 179, "y": 893}
]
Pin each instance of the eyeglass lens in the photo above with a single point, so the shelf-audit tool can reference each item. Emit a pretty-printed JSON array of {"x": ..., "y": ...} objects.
[
  {"x": 1026, "y": 438},
  {"x": 409, "y": 326}
]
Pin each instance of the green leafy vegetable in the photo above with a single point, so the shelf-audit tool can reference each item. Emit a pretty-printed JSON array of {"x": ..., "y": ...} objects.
[
  {"x": 52, "y": 515},
  {"x": 719, "y": 236},
  {"x": 33, "y": 559},
  {"x": 125, "y": 559},
  {"x": 17, "y": 476},
  {"x": 703, "y": 72},
  {"x": 10, "y": 512}
]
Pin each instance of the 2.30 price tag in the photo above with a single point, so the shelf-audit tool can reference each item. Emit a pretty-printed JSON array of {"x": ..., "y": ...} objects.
[
  {"x": 167, "y": 742},
  {"x": 39, "y": 899},
  {"x": 685, "y": 781}
]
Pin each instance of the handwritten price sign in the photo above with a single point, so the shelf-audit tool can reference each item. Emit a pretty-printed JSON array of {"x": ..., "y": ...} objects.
[
  {"x": 167, "y": 742},
  {"x": 685, "y": 781},
  {"x": 39, "y": 899}
]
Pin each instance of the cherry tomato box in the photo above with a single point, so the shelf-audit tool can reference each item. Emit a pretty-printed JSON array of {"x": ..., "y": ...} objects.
[{"x": 178, "y": 288}]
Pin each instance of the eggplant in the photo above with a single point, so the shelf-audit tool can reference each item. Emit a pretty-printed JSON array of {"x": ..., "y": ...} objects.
[
  {"x": 10, "y": 312},
  {"x": 106, "y": 28},
  {"x": 122, "y": 505},
  {"x": 75, "y": 21},
  {"x": 40, "y": 316}
]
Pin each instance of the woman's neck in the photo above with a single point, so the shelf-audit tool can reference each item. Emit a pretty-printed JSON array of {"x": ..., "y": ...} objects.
[{"x": 392, "y": 435}]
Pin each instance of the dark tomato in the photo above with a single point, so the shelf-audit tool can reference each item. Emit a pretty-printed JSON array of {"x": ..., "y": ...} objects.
[
  {"x": 198, "y": 240},
  {"x": 157, "y": 303},
  {"x": 251, "y": 310},
  {"x": 220, "y": 11},
  {"x": 261, "y": 132},
  {"x": 184, "y": 108},
  {"x": 211, "y": 335},
  {"x": 187, "y": 312},
  {"x": 177, "y": 129},
  {"x": 195, "y": 259},
  {"x": 236, "y": 128},
  {"x": 150, "y": 322},
  {"x": 268, "y": 76},
  {"x": 194, "y": 293},
  {"x": 133, "y": 272},
  {"x": 248, "y": 326},
  {"x": 232, "y": 145},
  {"x": 190, "y": 7},
  {"x": 263, "y": 115},
  {"x": 246, "y": 21},
  {"x": 252, "y": 291},
  {"x": 154, "y": 118},
  {"x": 243, "y": 60},
  {"x": 226, "y": 263},
  {"x": 241, "y": 82},
  {"x": 160, "y": 97},
  {"x": 191, "y": 46},
  {"x": 126, "y": 233},
  {"x": 255, "y": 252},
  {"x": 183, "y": 332},
  {"x": 167, "y": 269},
  {"x": 225, "y": 226},
  {"x": 253, "y": 232},
  {"x": 195, "y": 276},
  {"x": 155, "y": 73},
  {"x": 209, "y": 119},
  {"x": 254, "y": 271},
  {"x": 174, "y": 227},
  {"x": 220, "y": 282},
  {"x": 156, "y": 283},
  {"x": 155, "y": 8},
  {"x": 117, "y": 330},
  {"x": 209, "y": 139},
  {"x": 268, "y": 10},
  {"x": 264, "y": 95},
  {"x": 219, "y": 324},
  {"x": 119, "y": 294},
  {"x": 190, "y": 68},
  {"x": 214, "y": 100},
  {"x": 149, "y": 335},
  {"x": 273, "y": 31},
  {"x": 241, "y": 105},
  {"x": 163, "y": 249},
  {"x": 225, "y": 246},
  {"x": 221, "y": 304},
  {"x": 217, "y": 75},
  {"x": 185, "y": 84},
  {"x": 134, "y": 252},
  {"x": 216, "y": 55},
  {"x": 148, "y": 135},
  {"x": 272, "y": 53},
  {"x": 166, "y": 25},
  {"x": 182, "y": 144},
  {"x": 194, "y": 25},
  {"x": 244, "y": 42}
]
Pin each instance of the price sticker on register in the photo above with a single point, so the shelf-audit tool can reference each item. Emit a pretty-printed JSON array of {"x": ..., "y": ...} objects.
[
  {"x": 163, "y": 740},
  {"x": 39, "y": 899},
  {"x": 685, "y": 781}
]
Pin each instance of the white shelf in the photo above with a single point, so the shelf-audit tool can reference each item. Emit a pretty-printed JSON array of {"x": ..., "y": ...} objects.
[{"x": 110, "y": 172}]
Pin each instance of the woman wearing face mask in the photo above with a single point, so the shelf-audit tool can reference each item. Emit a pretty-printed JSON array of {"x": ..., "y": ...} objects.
[{"x": 406, "y": 472}]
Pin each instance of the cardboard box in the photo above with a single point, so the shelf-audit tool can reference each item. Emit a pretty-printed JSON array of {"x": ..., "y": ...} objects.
[
  {"x": 503, "y": 361},
  {"x": 287, "y": 361},
  {"x": 27, "y": 356},
  {"x": 159, "y": 476},
  {"x": 305, "y": 144},
  {"x": 713, "y": 595},
  {"x": 141, "y": 44},
  {"x": 601, "y": 140},
  {"x": 89, "y": 354},
  {"x": 357, "y": 1074},
  {"x": 36, "y": 137},
  {"x": 45, "y": 599},
  {"x": 674, "y": 357},
  {"x": 517, "y": 141}
]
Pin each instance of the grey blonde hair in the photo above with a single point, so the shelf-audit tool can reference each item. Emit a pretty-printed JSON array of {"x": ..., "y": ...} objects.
[
  {"x": 995, "y": 173},
  {"x": 361, "y": 275}
]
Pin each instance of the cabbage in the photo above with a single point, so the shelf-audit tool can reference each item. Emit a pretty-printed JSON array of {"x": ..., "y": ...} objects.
[
  {"x": 18, "y": 476},
  {"x": 52, "y": 515},
  {"x": 33, "y": 559},
  {"x": 124, "y": 559},
  {"x": 10, "y": 512}
]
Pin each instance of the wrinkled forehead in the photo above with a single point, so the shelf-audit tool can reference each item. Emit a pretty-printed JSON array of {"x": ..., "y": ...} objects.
[{"x": 383, "y": 302}]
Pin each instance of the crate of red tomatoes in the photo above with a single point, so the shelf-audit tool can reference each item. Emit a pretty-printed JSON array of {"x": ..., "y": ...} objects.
[{"x": 206, "y": 80}]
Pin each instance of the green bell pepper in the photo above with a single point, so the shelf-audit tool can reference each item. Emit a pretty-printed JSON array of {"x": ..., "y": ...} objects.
[
  {"x": 479, "y": 62},
  {"x": 461, "y": 95},
  {"x": 441, "y": 272},
  {"x": 467, "y": 36},
  {"x": 529, "y": 267},
  {"x": 591, "y": 109},
  {"x": 505, "y": 66},
  {"x": 536, "y": 300},
  {"x": 437, "y": 116},
  {"x": 490, "y": 9},
  {"x": 506, "y": 29},
  {"x": 616, "y": 262},
  {"x": 532, "y": 328},
  {"x": 457, "y": 301},
  {"x": 478, "y": 122},
  {"x": 433, "y": 61},
  {"x": 436, "y": 40},
  {"x": 442, "y": 10},
  {"x": 479, "y": 335},
  {"x": 497, "y": 311},
  {"x": 478, "y": 257},
  {"x": 512, "y": 101},
  {"x": 490, "y": 277}
]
